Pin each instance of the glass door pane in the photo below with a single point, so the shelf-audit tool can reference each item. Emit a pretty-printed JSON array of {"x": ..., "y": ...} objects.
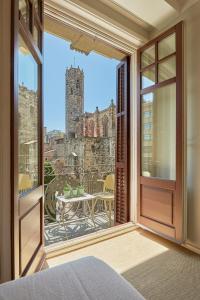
[
  {"x": 148, "y": 56},
  {"x": 167, "y": 69},
  {"x": 158, "y": 133},
  {"x": 24, "y": 8},
  {"x": 167, "y": 46},
  {"x": 27, "y": 119},
  {"x": 148, "y": 77}
]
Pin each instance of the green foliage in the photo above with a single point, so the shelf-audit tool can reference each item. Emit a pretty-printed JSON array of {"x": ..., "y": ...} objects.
[{"x": 49, "y": 174}]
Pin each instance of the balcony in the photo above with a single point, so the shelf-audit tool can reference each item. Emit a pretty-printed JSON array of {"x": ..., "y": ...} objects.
[{"x": 71, "y": 216}]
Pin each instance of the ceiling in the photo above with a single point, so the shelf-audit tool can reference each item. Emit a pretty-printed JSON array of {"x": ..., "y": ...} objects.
[
  {"x": 152, "y": 11},
  {"x": 155, "y": 13},
  {"x": 130, "y": 23}
]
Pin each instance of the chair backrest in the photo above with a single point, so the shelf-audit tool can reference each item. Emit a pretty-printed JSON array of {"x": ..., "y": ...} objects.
[{"x": 109, "y": 183}]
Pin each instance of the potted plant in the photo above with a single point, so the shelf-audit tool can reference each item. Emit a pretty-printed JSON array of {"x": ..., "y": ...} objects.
[
  {"x": 75, "y": 192},
  {"x": 67, "y": 191},
  {"x": 81, "y": 190}
]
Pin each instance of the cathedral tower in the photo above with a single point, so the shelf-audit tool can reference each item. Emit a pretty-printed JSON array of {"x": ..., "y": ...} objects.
[{"x": 74, "y": 99}]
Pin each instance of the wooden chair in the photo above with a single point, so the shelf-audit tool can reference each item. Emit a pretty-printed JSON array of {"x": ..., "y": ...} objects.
[{"x": 107, "y": 196}]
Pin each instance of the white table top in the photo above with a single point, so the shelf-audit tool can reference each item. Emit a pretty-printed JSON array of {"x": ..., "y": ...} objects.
[{"x": 86, "y": 197}]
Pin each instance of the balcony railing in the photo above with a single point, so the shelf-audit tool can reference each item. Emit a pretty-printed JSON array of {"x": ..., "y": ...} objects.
[{"x": 77, "y": 219}]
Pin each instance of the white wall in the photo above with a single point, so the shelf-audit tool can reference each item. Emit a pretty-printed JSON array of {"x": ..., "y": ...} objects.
[
  {"x": 192, "y": 93},
  {"x": 5, "y": 236}
]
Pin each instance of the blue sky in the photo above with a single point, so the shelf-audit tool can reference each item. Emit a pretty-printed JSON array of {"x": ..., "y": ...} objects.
[{"x": 100, "y": 79}]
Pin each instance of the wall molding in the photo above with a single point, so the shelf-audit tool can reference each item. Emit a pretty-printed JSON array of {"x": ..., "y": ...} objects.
[{"x": 73, "y": 15}]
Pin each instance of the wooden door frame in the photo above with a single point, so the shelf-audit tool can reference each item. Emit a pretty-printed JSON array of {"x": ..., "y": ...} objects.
[
  {"x": 16, "y": 28},
  {"x": 178, "y": 29},
  {"x": 131, "y": 54}
]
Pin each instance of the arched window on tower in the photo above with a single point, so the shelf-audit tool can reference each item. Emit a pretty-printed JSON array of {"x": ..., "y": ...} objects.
[
  {"x": 86, "y": 129},
  {"x": 78, "y": 84},
  {"x": 91, "y": 128},
  {"x": 105, "y": 126}
]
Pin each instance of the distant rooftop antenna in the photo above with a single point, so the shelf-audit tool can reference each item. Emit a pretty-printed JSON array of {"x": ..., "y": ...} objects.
[{"x": 74, "y": 61}]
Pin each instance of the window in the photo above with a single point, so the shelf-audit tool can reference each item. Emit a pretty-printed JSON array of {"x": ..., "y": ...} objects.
[
  {"x": 91, "y": 128},
  {"x": 147, "y": 137},
  {"x": 28, "y": 115},
  {"x": 78, "y": 84},
  {"x": 105, "y": 126},
  {"x": 147, "y": 114},
  {"x": 148, "y": 126},
  {"x": 159, "y": 105},
  {"x": 163, "y": 136}
]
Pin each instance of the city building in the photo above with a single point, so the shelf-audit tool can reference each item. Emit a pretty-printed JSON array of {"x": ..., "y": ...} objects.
[{"x": 89, "y": 143}]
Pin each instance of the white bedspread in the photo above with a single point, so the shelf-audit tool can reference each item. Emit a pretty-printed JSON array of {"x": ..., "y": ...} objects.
[{"x": 84, "y": 279}]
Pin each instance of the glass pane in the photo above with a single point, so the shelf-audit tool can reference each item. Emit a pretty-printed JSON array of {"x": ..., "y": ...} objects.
[
  {"x": 158, "y": 134},
  {"x": 27, "y": 119},
  {"x": 167, "y": 69},
  {"x": 24, "y": 9},
  {"x": 36, "y": 36},
  {"x": 167, "y": 46},
  {"x": 37, "y": 5},
  {"x": 148, "y": 56},
  {"x": 148, "y": 77}
]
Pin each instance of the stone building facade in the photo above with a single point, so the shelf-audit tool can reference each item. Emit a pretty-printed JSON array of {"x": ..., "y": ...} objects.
[
  {"x": 90, "y": 154},
  {"x": 89, "y": 142},
  {"x": 28, "y": 133},
  {"x": 90, "y": 136},
  {"x": 100, "y": 123},
  {"x": 78, "y": 123}
]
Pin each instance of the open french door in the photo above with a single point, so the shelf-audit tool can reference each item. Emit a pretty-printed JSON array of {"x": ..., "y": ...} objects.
[
  {"x": 27, "y": 137},
  {"x": 160, "y": 134}
]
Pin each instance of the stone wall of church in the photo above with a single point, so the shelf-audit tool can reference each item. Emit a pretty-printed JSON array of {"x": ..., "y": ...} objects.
[
  {"x": 101, "y": 123},
  {"x": 91, "y": 154}
]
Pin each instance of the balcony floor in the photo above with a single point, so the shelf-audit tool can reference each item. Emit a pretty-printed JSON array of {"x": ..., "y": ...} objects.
[
  {"x": 55, "y": 233},
  {"x": 158, "y": 269}
]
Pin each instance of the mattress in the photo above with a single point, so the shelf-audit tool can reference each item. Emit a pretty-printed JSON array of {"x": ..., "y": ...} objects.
[{"x": 85, "y": 279}]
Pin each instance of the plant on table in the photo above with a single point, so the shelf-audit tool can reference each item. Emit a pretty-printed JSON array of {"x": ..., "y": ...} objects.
[
  {"x": 75, "y": 192},
  {"x": 80, "y": 190},
  {"x": 67, "y": 191}
]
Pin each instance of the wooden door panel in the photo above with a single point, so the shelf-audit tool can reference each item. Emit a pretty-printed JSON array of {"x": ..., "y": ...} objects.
[
  {"x": 157, "y": 227},
  {"x": 30, "y": 200},
  {"x": 30, "y": 236},
  {"x": 157, "y": 204}
]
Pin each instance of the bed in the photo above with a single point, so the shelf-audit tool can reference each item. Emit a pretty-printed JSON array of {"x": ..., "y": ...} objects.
[{"x": 85, "y": 279}]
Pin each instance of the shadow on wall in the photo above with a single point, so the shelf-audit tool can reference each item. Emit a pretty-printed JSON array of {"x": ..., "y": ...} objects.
[{"x": 172, "y": 275}]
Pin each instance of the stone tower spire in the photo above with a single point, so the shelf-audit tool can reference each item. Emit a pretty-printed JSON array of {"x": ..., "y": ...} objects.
[{"x": 74, "y": 99}]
